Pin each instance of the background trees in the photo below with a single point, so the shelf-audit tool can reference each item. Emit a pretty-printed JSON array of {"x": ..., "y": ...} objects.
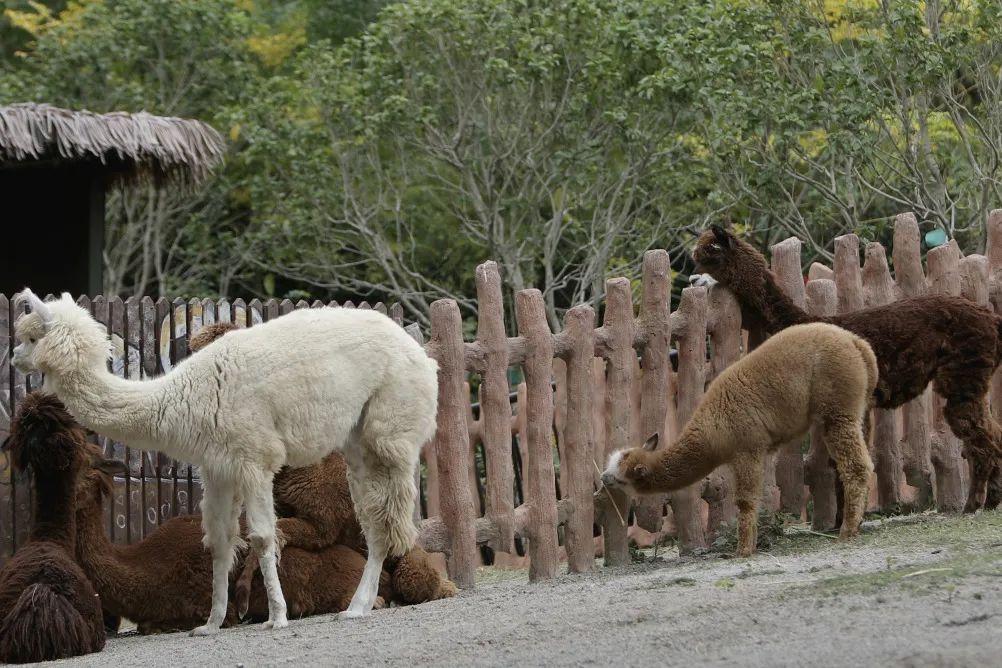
[{"x": 382, "y": 150}]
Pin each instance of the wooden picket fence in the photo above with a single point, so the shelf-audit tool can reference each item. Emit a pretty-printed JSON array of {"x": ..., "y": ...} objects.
[{"x": 588, "y": 391}]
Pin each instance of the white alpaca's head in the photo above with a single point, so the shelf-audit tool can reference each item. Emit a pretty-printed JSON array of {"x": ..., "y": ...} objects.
[{"x": 58, "y": 337}]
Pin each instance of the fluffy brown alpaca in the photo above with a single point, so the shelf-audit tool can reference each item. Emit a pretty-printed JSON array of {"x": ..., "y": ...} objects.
[
  {"x": 151, "y": 582},
  {"x": 947, "y": 340},
  {"x": 48, "y": 608},
  {"x": 315, "y": 512},
  {"x": 814, "y": 374}
]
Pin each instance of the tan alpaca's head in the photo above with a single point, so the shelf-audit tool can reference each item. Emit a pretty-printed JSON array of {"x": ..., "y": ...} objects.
[
  {"x": 58, "y": 337},
  {"x": 632, "y": 469},
  {"x": 726, "y": 258}
]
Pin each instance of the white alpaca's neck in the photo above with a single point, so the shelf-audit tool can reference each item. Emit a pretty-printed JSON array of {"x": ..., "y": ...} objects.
[{"x": 124, "y": 410}]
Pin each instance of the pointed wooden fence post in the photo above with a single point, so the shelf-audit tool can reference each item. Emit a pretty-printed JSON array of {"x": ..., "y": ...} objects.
[
  {"x": 614, "y": 342},
  {"x": 916, "y": 439},
  {"x": 789, "y": 458},
  {"x": 818, "y": 271},
  {"x": 994, "y": 253},
  {"x": 7, "y": 410},
  {"x": 541, "y": 490},
  {"x": 653, "y": 337},
  {"x": 944, "y": 278},
  {"x": 974, "y": 285},
  {"x": 689, "y": 325},
  {"x": 821, "y": 301},
  {"x": 495, "y": 409},
  {"x": 452, "y": 440},
  {"x": 578, "y": 463},
  {"x": 878, "y": 289},
  {"x": 724, "y": 327}
]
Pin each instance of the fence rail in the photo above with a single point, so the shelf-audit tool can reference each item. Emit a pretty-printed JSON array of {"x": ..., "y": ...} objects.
[{"x": 588, "y": 390}]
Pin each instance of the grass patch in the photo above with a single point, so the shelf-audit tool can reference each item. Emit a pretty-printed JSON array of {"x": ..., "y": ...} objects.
[
  {"x": 924, "y": 578},
  {"x": 490, "y": 574}
]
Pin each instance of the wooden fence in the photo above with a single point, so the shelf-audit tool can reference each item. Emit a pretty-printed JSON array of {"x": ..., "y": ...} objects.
[{"x": 588, "y": 391}]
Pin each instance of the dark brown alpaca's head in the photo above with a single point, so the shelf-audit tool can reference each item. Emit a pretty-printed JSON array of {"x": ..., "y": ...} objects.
[
  {"x": 96, "y": 480},
  {"x": 45, "y": 437},
  {"x": 729, "y": 260},
  {"x": 208, "y": 334},
  {"x": 633, "y": 469}
]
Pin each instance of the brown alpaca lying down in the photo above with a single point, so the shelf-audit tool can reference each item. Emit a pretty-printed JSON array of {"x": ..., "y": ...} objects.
[
  {"x": 152, "y": 582},
  {"x": 807, "y": 375},
  {"x": 948, "y": 340},
  {"x": 315, "y": 512},
  {"x": 48, "y": 608}
]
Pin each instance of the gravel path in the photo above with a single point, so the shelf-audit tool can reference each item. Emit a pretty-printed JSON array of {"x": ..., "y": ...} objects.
[{"x": 910, "y": 593}]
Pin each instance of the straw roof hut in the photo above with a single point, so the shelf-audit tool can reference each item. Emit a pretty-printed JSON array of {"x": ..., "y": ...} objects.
[{"x": 55, "y": 166}]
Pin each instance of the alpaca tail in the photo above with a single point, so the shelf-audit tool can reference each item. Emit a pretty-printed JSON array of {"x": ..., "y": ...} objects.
[
  {"x": 44, "y": 625},
  {"x": 998, "y": 344},
  {"x": 872, "y": 391},
  {"x": 870, "y": 362}
]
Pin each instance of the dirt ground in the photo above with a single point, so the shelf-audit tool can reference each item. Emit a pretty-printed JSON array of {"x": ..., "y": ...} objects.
[{"x": 915, "y": 591}]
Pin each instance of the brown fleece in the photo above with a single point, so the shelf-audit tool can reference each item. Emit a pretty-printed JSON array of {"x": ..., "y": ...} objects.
[
  {"x": 950, "y": 341},
  {"x": 161, "y": 582},
  {"x": 153, "y": 582},
  {"x": 48, "y": 608},
  {"x": 813, "y": 374},
  {"x": 316, "y": 512}
]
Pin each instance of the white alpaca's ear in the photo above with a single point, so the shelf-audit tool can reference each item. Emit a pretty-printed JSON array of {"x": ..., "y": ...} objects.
[
  {"x": 651, "y": 443},
  {"x": 36, "y": 304}
]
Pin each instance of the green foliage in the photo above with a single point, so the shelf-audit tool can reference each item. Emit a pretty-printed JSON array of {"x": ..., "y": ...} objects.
[{"x": 382, "y": 150}]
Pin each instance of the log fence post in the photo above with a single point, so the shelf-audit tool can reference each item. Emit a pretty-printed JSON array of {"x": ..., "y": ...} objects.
[{"x": 451, "y": 442}]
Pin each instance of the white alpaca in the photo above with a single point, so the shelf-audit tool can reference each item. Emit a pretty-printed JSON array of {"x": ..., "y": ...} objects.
[{"x": 287, "y": 392}]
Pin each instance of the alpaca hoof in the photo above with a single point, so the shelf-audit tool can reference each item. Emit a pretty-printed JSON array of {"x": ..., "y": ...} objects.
[
  {"x": 204, "y": 630},
  {"x": 241, "y": 600},
  {"x": 351, "y": 614},
  {"x": 379, "y": 603},
  {"x": 271, "y": 625},
  {"x": 447, "y": 589}
]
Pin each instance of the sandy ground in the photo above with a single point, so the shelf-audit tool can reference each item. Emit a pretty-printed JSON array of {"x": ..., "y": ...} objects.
[{"x": 923, "y": 591}]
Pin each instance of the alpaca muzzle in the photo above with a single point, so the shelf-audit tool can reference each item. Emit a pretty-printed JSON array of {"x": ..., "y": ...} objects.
[{"x": 21, "y": 360}]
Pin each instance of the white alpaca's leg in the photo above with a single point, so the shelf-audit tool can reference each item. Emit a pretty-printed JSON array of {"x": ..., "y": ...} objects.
[
  {"x": 368, "y": 587},
  {"x": 261, "y": 522},
  {"x": 381, "y": 464},
  {"x": 219, "y": 507},
  {"x": 383, "y": 499}
]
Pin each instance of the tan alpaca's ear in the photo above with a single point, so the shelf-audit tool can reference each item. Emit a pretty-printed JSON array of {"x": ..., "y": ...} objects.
[{"x": 652, "y": 442}]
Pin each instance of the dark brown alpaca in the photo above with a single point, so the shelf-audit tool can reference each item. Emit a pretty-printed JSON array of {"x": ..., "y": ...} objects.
[
  {"x": 152, "y": 582},
  {"x": 316, "y": 512},
  {"x": 950, "y": 341},
  {"x": 48, "y": 608}
]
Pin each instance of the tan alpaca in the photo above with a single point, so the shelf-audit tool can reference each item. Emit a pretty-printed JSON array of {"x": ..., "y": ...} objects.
[{"x": 814, "y": 374}]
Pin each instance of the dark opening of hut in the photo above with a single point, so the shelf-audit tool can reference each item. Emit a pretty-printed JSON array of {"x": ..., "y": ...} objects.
[{"x": 55, "y": 167}]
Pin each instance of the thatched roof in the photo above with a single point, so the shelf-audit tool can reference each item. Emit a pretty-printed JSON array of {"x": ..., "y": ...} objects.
[{"x": 134, "y": 145}]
